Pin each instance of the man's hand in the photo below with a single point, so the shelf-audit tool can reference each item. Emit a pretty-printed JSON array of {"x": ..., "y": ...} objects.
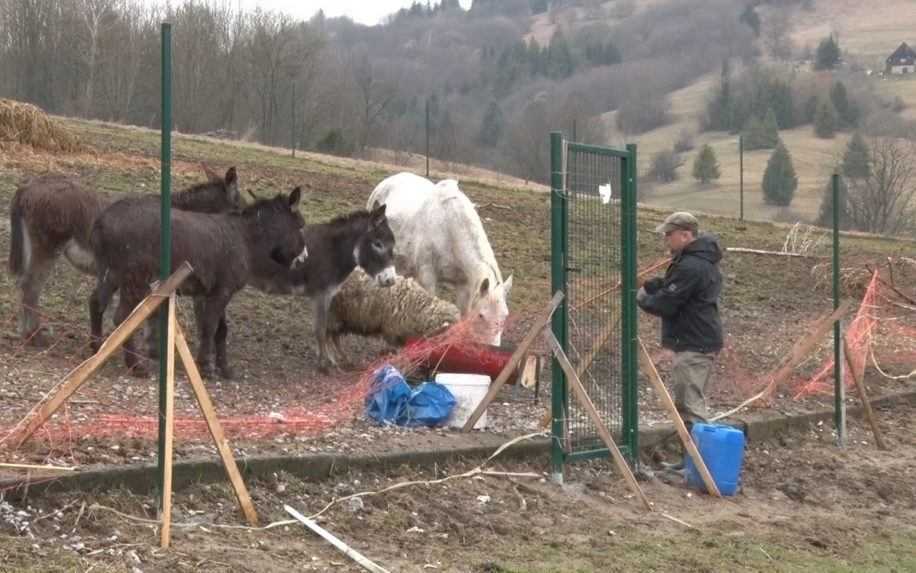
[
  {"x": 654, "y": 285},
  {"x": 641, "y": 294}
]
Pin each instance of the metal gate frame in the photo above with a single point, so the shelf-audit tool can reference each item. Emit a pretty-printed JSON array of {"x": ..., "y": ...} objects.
[{"x": 627, "y": 438}]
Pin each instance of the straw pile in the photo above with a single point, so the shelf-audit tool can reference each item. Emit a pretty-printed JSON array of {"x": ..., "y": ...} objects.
[{"x": 27, "y": 124}]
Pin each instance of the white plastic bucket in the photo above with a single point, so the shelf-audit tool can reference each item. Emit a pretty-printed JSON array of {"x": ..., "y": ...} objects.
[{"x": 468, "y": 390}]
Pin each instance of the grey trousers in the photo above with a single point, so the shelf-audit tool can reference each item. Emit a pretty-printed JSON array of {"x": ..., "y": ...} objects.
[{"x": 690, "y": 372}]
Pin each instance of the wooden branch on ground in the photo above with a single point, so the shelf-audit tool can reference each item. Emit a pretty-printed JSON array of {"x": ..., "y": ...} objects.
[
  {"x": 37, "y": 467},
  {"x": 542, "y": 321},
  {"x": 579, "y": 390},
  {"x": 656, "y": 380},
  {"x": 353, "y": 554},
  {"x": 79, "y": 375},
  {"x": 165, "y": 533},
  {"x": 216, "y": 429},
  {"x": 858, "y": 377},
  {"x": 799, "y": 353},
  {"x": 771, "y": 253}
]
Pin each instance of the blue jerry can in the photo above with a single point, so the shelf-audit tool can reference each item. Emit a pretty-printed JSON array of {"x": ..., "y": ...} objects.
[{"x": 722, "y": 450}]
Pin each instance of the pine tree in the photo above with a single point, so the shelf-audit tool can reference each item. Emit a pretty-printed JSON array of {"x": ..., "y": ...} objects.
[
  {"x": 827, "y": 55},
  {"x": 825, "y": 214},
  {"x": 856, "y": 161},
  {"x": 491, "y": 127},
  {"x": 825, "y": 120},
  {"x": 706, "y": 166},
  {"x": 779, "y": 180},
  {"x": 847, "y": 112},
  {"x": 761, "y": 134}
]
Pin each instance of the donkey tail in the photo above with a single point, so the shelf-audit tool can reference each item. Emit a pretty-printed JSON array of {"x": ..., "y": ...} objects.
[{"x": 18, "y": 259}]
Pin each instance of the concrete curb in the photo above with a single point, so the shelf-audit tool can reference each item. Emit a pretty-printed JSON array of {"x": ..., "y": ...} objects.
[{"x": 141, "y": 479}]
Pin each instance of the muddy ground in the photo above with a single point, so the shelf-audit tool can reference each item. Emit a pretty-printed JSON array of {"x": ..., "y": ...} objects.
[{"x": 805, "y": 505}]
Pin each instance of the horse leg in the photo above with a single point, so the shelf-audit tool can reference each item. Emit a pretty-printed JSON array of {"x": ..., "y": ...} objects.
[
  {"x": 222, "y": 362},
  {"x": 30, "y": 285},
  {"x": 426, "y": 276},
  {"x": 126, "y": 305},
  {"x": 98, "y": 302}
]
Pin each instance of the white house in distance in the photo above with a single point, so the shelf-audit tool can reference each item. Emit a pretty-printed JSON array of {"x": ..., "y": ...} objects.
[{"x": 902, "y": 61}]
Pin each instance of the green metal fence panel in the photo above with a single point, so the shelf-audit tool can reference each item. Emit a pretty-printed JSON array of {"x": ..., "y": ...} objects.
[{"x": 593, "y": 240}]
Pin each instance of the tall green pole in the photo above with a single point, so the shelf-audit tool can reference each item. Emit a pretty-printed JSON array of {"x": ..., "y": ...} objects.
[
  {"x": 427, "y": 138},
  {"x": 629, "y": 320},
  {"x": 165, "y": 232},
  {"x": 741, "y": 176},
  {"x": 839, "y": 390},
  {"x": 292, "y": 121},
  {"x": 558, "y": 282}
]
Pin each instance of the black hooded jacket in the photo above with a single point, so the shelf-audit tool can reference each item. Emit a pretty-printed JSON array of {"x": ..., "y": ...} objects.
[{"x": 687, "y": 299}]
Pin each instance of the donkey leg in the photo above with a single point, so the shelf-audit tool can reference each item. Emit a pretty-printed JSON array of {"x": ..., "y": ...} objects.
[
  {"x": 30, "y": 286},
  {"x": 131, "y": 359},
  {"x": 321, "y": 306},
  {"x": 214, "y": 308},
  {"x": 204, "y": 337},
  {"x": 222, "y": 361},
  {"x": 98, "y": 302}
]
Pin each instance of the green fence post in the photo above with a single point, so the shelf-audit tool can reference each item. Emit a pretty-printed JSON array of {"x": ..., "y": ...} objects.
[
  {"x": 558, "y": 282},
  {"x": 630, "y": 414},
  {"x": 839, "y": 391},
  {"x": 165, "y": 232}
]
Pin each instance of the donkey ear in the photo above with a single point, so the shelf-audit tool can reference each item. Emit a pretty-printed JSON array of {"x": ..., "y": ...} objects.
[
  {"x": 376, "y": 206},
  {"x": 211, "y": 175},
  {"x": 377, "y": 216},
  {"x": 484, "y": 287},
  {"x": 507, "y": 285},
  {"x": 231, "y": 176},
  {"x": 294, "y": 198}
]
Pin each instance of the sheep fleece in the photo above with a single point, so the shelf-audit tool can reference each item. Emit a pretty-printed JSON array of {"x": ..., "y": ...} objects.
[{"x": 401, "y": 311}]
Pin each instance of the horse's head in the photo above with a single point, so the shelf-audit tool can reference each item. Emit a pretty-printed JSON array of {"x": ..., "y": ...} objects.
[
  {"x": 375, "y": 249},
  {"x": 489, "y": 308},
  {"x": 279, "y": 226}
]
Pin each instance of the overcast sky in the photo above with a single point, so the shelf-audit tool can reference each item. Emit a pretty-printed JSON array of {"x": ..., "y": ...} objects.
[{"x": 363, "y": 11}]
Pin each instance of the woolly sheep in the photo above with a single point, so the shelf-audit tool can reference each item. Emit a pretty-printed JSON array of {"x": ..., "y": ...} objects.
[{"x": 396, "y": 313}]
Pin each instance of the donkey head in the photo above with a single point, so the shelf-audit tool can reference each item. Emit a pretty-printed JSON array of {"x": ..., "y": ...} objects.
[
  {"x": 375, "y": 248},
  {"x": 279, "y": 226},
  {"x": 490, "y": 309},
  {"x": 216, "y": 195}
]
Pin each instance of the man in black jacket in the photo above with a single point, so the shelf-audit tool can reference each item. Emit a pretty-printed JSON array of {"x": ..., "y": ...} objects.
[{"x": 687, "y": 300}]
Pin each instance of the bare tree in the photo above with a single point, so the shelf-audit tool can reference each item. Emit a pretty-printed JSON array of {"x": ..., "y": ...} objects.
[
  {"x": 376, "y": 92},
  {"x": 885, "y": 201},
  {"x": 94, "y": 14},
  {"x": 777, "y": 34}
]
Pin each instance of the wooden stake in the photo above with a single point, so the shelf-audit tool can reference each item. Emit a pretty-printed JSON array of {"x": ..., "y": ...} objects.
[
  {"x": 510, "y": 366},
  {"x": 858, "y": 375},
  {"x": 71, "y": 383},
  {"x": 165, "y": 537},
  {"x": 216, "y": 430},
  {"x": 668, "y": 403},
  {"x": 592, "y": 412}
]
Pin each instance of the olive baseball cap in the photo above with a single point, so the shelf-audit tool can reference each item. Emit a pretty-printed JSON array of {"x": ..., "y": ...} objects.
[{"x": 680, "y": 221}]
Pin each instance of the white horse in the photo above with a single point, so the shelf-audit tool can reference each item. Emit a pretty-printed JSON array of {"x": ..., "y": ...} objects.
[{"x": 439, "y": 239}]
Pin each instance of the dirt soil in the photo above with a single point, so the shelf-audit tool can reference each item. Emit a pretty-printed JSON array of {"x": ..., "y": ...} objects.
[{"x": 804, "y": 505}]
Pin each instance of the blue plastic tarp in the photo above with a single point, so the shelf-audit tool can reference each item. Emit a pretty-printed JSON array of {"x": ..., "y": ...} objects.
[{"x": 392, "y": 401}]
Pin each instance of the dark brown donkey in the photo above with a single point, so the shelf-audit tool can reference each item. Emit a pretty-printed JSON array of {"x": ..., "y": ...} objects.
[
  {"x": 226, "y": 250},
  {"x": 53, "y": 214}
]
